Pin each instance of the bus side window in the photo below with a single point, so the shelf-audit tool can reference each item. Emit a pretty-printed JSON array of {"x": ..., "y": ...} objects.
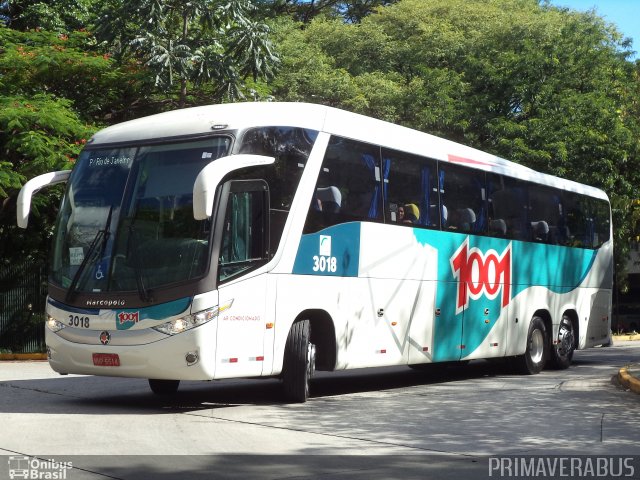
[
  {"x": 544, "y": 213},
  {"x": 411, "y": 190},
  {"x": 463, "y": 191},
  {"x": 578, "y": 225},
  {"x": 291, "y": 147},
  {"x": 508, "y": 207},
  {"x": 601, "y": 220},
  {"x": 349, "y": 187}
]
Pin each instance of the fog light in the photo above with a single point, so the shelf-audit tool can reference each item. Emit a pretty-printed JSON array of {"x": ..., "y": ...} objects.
[{"x": 191, "y": 358}]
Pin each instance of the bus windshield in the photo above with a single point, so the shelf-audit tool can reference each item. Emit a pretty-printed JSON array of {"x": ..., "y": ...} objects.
[{"x": 126, "y": 221}]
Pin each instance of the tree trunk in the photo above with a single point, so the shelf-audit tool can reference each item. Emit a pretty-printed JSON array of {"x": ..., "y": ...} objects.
[{"x": 183, "y": 82}]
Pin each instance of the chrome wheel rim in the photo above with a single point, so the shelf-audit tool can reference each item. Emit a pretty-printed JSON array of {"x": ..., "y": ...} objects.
[
  {"x": 311, "y": 365},
  {"x": 565, "y": 340},
  {"x": 311, "y": 360},
  {"x": 536, "y": 346}
]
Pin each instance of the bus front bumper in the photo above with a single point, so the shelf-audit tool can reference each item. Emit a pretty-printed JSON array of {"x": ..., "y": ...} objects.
[{"x": 171, "y": 358}]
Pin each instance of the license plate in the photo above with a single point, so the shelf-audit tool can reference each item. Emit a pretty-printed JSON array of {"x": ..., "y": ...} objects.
[{"x": 106, "y": 360}]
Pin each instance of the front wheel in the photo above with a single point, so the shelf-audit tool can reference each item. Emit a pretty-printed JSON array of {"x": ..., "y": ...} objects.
[
  {"x": 535, "y": 356},
  {"x": 164, "y": 387},
  {"x": 299, "y": 362},
  {"x": 562, "y": 351}
]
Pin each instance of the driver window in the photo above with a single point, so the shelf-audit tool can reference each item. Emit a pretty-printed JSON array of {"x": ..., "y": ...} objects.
[{"x": 244, "y": 244}]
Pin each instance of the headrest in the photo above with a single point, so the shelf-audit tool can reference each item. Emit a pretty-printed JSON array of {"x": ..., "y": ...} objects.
[
  {"x": 498, "y": 226},
  {"x": 329, "y": 194},
  {"x": 467, "y": 215},
  {"x": 540, "y": 227}
]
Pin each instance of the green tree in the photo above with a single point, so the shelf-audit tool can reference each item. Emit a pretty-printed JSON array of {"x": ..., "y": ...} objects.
[
  {"x": 55, "y": 89},
  {"x": 197, "y": 42},
  {"x": 37, "y": 135},
  {"x": 351, "y": 11},
  {"x": 52, "y": 15}
]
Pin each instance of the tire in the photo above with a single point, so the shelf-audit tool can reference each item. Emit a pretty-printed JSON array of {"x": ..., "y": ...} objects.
[
  {"x": 164, "y": 387},
  {"x": 299, "y": 362},
  {"x": 535, "y": 356},
  {"x": 562, "y": 352}
]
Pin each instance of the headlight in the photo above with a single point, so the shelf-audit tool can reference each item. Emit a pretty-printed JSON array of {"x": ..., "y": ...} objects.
[
  {"x": 53, "y": 324},
  {"x": 188, "y": 322}
]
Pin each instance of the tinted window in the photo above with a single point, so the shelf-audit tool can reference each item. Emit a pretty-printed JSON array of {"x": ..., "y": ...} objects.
[
  {"x": 463, "y": 194},
  {"x": 243, "y": 240},
  {"x": 291, "y": 148},
  {"x": 507, "y": 216},
  {"x": 577, "y": 225},
  {"x": 411, "y": 189},
  {"x": 545, "y": 206},
  {"x": 601, "y": 220},
  {"x": 348, "y": 187}
]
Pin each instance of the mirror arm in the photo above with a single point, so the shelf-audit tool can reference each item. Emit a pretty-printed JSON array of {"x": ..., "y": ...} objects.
[
  {"x": 31, "y": 187},
  {"x": 207, "y": 181}
]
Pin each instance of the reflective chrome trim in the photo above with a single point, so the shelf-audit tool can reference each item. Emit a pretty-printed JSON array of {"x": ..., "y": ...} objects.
[{"x": 118, "y": 337}]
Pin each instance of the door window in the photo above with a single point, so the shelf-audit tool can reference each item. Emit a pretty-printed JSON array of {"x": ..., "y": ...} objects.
[{"x": 244, "y": 244}]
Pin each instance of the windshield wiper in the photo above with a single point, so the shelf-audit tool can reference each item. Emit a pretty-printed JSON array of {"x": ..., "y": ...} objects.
[
  {"x": 145, "y": 295},
  {"x": 101, "y": 237}
]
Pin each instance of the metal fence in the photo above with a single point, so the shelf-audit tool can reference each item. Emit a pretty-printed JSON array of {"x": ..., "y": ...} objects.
[{"x": 23, "y": 291}]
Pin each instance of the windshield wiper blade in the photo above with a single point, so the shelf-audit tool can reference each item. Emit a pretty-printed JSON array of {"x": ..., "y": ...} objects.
[
  {"x": 101, "y": 237},
  {"x": 145, "y": 295}
]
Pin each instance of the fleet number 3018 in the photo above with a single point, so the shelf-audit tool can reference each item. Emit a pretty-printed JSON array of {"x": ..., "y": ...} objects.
[
  {"x": 325, "y": 264},
  {"x": 77, "y": 321}
]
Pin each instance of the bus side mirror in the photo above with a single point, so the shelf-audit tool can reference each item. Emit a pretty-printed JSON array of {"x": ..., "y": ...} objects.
[
  {"x": 31, "y": 187},
  {"x": 207, "y": 181}
]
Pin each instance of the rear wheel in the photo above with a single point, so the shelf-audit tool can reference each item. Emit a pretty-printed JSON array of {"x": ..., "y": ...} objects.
[
  {"x": 299, "y": 362},
  {"x": 562, "y": 351},
  {"x": 535, "y": 356},
  {"x": 164, "y": 387}
]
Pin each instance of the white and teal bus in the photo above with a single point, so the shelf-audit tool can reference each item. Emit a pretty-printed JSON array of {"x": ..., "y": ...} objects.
[{"x": 276, "y": 239}]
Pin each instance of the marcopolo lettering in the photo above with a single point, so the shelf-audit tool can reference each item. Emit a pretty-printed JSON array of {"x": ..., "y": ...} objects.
[{"x": 106, "y": 303}]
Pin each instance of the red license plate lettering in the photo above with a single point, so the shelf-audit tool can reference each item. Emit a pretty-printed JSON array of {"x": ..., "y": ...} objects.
[{"x": 106, "y": 360}]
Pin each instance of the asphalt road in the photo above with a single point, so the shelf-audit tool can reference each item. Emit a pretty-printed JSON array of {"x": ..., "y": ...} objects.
[{"x": 375, "y": 423}]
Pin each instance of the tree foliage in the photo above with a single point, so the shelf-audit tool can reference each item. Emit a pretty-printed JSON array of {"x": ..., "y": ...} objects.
[
  {"x": 351, "y": 11},
  {"x": 198, "y": 42},
  {"x": 59, "y": 16},
  {"x": 53, "y": 87}
]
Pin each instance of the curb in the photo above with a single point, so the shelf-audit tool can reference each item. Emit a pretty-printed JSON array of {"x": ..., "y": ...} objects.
[
  {"x": 23, "y": 356},
  {"x": 623, "y": 338},
  {"x": 629, "y": 381}
]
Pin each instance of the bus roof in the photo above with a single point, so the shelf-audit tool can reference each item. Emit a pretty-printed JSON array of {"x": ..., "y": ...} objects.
[{"x": 233, "y": 116}]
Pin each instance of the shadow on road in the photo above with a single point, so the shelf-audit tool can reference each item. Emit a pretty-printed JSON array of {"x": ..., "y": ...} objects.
[{"x": 101, "y": 395}]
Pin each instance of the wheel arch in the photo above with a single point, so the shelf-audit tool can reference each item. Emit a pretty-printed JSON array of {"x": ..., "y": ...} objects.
[
  {"x": 545, "y": 315},
  {"x": 572, "y": 315},
  {"x": 323, "y": 336}
]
